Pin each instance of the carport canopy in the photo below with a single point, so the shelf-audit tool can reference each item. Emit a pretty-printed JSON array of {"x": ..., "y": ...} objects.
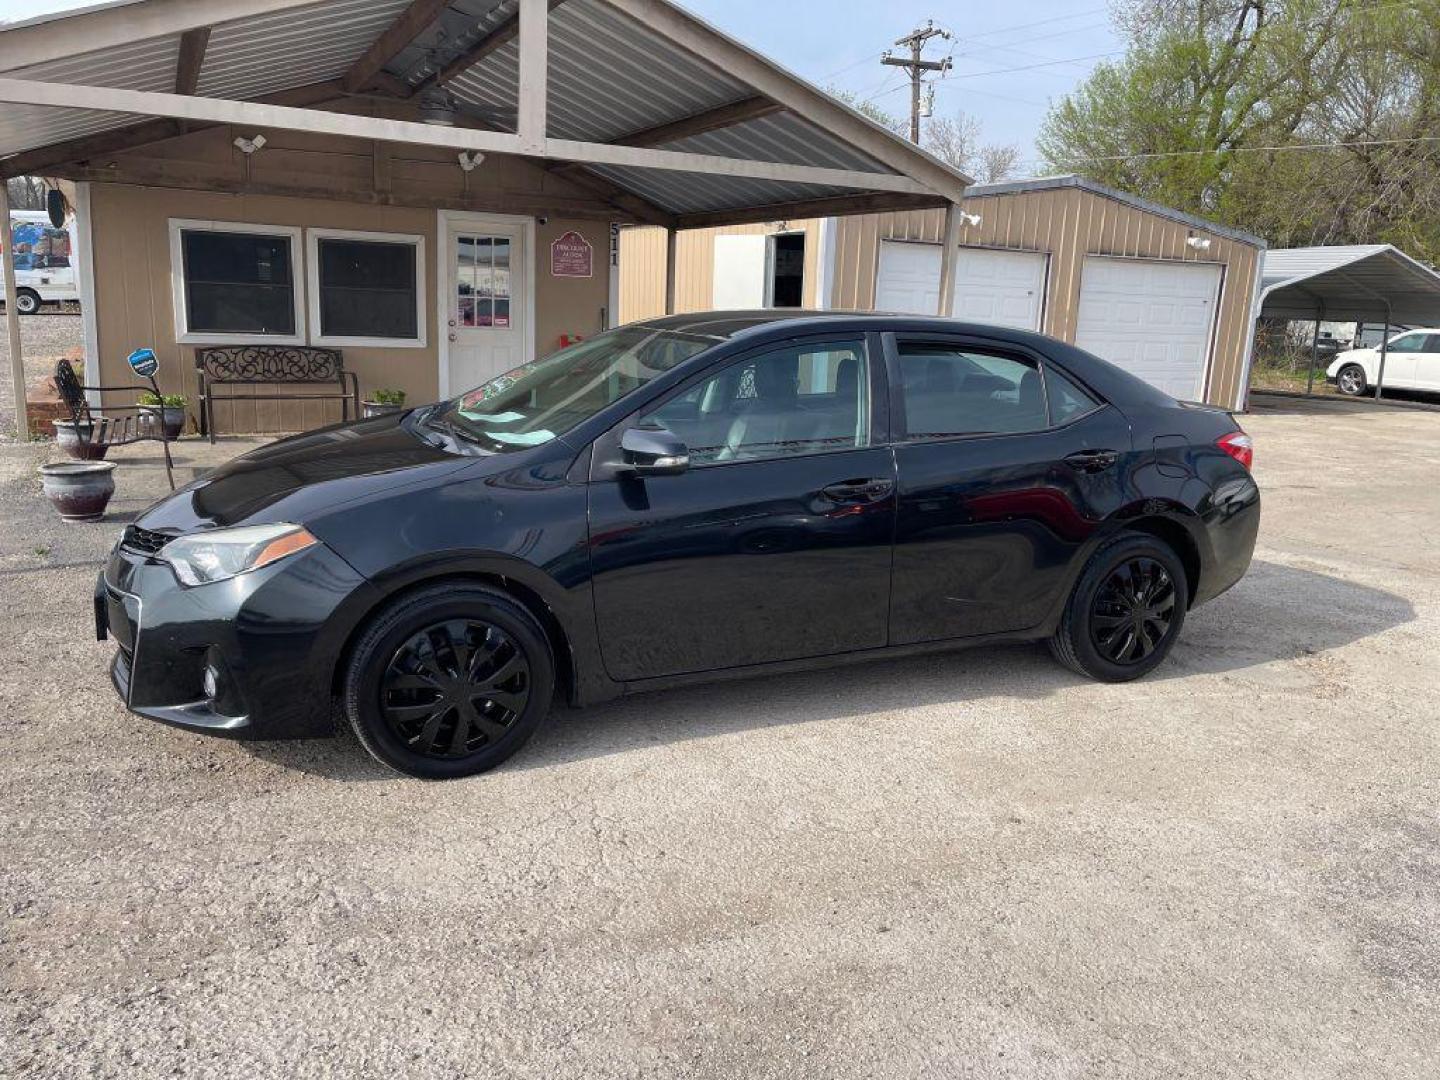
[
  {"x": 1358, "y": 283},
  {"x": 664, "y": 118}
]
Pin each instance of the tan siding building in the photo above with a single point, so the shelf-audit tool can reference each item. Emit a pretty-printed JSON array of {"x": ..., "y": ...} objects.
[{"x": 1069, "y": 225}]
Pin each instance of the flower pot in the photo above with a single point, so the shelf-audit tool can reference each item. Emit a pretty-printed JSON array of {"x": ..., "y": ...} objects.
[
  {"x": 172, "y": 416},
  {"x": 78, "y": 440},
  {"x": 79, "y": 490},
  {"x": 377, "y": 408}
]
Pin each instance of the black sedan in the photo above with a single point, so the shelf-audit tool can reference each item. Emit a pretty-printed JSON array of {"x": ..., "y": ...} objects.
[{"x": 671, "y": 501}]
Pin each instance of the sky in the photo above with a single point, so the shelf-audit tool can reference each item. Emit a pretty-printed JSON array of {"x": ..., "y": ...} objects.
[{"x": 1010, "y": 60}]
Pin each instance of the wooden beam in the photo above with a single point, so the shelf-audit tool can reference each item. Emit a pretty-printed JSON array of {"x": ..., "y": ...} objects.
[
  {"x": 255, "y": 114},
  {"x": 193, "y": 44},
  {"x": 737, "y": 112},
  {"x": 949, "y": 252},
  {"x": 503, "y": 34},
  {"x": 407, "y": 26},
  {"x": 12, "y": 324},
  {"x": 716, "y": 50},
  {"x": 145, "y": 133},
  {"x": 533, "y": 91},
  {"x": 834, "y": 206}
]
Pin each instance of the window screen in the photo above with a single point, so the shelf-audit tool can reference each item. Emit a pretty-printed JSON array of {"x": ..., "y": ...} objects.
[
  {"x": 1067, "y": 400},
  {"x": 238, "y": 283},
  {"x": 953, "y": 391},
  {"x": 367, "y": 289}
]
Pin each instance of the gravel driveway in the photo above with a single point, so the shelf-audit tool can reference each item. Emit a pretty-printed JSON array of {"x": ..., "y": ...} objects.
[
  {"x": 44, "y": 338},
  {"x": 972, "y": 865}
]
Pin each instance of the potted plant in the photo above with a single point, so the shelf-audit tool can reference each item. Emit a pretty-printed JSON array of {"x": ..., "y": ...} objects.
[
  {"x": 79, "y": 490},
  {"x": 77, "y": 440},
  {"x": 381, "y": 402},
  {"x": 171, "y": 410}
]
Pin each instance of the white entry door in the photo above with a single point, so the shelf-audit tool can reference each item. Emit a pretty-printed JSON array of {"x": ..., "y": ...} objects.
[
  {"x": 1152, "y": 318},
  {"x": 1006, "y": 288},
  {"x": 739, "y": 282},
  {"x": 488, "y": 326}
]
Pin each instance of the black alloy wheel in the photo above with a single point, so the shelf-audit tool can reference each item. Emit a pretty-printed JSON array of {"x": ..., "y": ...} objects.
[
  {"x": 449, "y": 681},
  {"x": 454, "y": 688},
  {"x": 1126, "y": 611},
  {"x": 1132, "y": 611}
]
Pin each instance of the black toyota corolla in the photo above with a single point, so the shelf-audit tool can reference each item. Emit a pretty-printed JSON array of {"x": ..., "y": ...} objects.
[{"x": 676, "y": 500}]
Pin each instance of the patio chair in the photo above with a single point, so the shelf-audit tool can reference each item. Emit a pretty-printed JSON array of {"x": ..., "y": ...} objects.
[{"x": 140, "y": 423}]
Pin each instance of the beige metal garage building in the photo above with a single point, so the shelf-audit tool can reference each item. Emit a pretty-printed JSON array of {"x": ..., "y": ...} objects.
[{"x": 1167, "y": 295}]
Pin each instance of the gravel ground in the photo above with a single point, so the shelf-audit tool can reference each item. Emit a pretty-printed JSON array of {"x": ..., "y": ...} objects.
[
  {"x": 975, "y": 865},
  {"x": 44, "y": 338}
]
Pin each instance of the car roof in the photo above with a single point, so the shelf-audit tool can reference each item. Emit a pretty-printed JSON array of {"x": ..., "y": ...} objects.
[{"x": 769, "y": 322}]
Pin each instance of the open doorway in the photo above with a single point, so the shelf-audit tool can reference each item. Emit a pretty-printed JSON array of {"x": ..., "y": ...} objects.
[{"x": 785, "y": 261}]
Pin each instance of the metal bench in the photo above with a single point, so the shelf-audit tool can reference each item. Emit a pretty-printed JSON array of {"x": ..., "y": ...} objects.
[
  {"x": 272, "y": 365},
  {"x": 140, "y": 423}
]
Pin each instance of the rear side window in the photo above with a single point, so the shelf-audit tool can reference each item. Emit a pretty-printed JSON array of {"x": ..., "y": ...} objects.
[
  {"x": 950, "y": 391},
  {"x": 1067, "y": 400}
]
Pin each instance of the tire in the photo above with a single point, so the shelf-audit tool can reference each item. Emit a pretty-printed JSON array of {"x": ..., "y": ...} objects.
[
  {"x": 1350, "y": 380},
  {"x": 1086, "y": 643},
  {"x": 27, "y": 302},
  {"x": 419, "y": 662}
]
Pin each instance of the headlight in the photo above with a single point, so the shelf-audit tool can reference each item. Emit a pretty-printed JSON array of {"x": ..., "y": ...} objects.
[{"x": 200, "y": 558}]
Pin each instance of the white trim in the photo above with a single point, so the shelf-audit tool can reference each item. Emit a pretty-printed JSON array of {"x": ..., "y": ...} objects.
[
  {"x": 85, "y": 281},
  {"x": 312, "y": 287},
  {"x": 444, "y": 220},
  {"x": 1257, "y": 300},
  {"x": 825, "y": 255},
  {"x": 415, "y": 133},
  {"x": 183, "y": 333}
]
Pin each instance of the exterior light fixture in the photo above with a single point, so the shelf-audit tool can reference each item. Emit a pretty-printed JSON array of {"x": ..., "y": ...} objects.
[
  {"x": 470, "y": 161},
  {"x": 249, "y": 146},
  {"x": 969, "y": 219},
  {"x": 1199, "y": 243}
]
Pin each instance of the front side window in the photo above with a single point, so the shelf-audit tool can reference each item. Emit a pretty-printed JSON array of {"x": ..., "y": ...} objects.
[
  {"x": 238, "y": 283},
  {"x": 1407, "y": 344},
  {"x": 952, "y": 390},
  {"x": 537, "y": 402},
  {"x": 367, "y": 288},
  {"x": 796, "y": 399}
]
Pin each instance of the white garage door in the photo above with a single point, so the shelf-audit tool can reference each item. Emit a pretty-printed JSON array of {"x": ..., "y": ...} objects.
[
  {"x": 1151, "y": 318},
  {"x": 1006, "y": 288}
]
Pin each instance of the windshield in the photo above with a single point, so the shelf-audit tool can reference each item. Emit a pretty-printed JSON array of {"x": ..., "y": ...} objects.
[{"x": 535, "y": 403}]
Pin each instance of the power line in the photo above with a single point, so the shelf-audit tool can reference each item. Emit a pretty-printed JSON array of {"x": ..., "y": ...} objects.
[
  {"x": 950, "y": 76},
  {"x": 916, "y": 67},
  {"x": 1151, "y": 155}
]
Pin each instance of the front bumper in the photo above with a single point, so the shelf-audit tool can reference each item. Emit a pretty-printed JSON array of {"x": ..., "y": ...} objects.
[{"x": 271, "y": 637}]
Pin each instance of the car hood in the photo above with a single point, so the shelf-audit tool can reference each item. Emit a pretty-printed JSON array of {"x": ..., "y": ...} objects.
[
  {"x": 296, "y": 478},
  {"x": 1351, "y": 356}
]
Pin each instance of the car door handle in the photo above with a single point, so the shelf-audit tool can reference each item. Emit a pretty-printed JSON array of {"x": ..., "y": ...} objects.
[
  {"x": 861, "y": 491},
  {"x": 1092, "y": 460}
]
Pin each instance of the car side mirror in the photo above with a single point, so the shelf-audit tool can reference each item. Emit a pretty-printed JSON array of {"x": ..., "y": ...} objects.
[{"x": 653, "y": 451}]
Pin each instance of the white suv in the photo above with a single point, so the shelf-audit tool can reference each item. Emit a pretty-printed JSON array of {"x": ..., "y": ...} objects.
[{"x": 1412, "y": 362}]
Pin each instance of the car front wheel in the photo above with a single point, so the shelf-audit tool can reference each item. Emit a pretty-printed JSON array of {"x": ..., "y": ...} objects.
[
  {"x": 449, "y": 681},
  {"x": 1126, "y": 611},
  {"x": 1350, "y": 380},
  {"x": 27, "y": 302}
]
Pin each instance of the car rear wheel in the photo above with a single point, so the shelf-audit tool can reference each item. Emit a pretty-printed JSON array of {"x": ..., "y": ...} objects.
[
  {"x": 1126, "y": 611},
  {"x": 449, "y": 682},
  {"x": 1350, "y": 380}
]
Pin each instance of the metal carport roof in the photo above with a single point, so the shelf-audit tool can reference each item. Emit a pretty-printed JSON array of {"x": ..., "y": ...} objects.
[{"x": 1354, "y": 283}]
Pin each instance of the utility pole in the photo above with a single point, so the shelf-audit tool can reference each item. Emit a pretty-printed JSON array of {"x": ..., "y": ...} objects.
[{"x": 917, "y": 67}]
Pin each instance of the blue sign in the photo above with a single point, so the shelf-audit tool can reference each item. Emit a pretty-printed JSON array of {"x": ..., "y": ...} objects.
[{"x": 143, "y": 362}]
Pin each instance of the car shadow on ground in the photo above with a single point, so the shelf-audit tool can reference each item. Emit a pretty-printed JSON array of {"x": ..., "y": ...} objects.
[{"x": 1276, "y": 615}]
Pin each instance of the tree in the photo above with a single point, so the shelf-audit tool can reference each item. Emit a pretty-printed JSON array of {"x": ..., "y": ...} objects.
[
  {"x": 954, "y": 139},
  {"x": 1303, "y": 120},
  {"x": 870, "y": 110},
  {"x": 27, "y": 193}
]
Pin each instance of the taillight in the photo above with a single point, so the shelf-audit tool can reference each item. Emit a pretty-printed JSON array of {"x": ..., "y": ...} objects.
[{"x": 1239, "y": 446}]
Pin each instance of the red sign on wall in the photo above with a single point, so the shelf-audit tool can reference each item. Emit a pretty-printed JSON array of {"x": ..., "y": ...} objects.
[{"x": 572, "y": 256}]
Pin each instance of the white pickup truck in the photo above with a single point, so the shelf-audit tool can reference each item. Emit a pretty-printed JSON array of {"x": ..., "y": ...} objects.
[{"x": 44, "y": 261}]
